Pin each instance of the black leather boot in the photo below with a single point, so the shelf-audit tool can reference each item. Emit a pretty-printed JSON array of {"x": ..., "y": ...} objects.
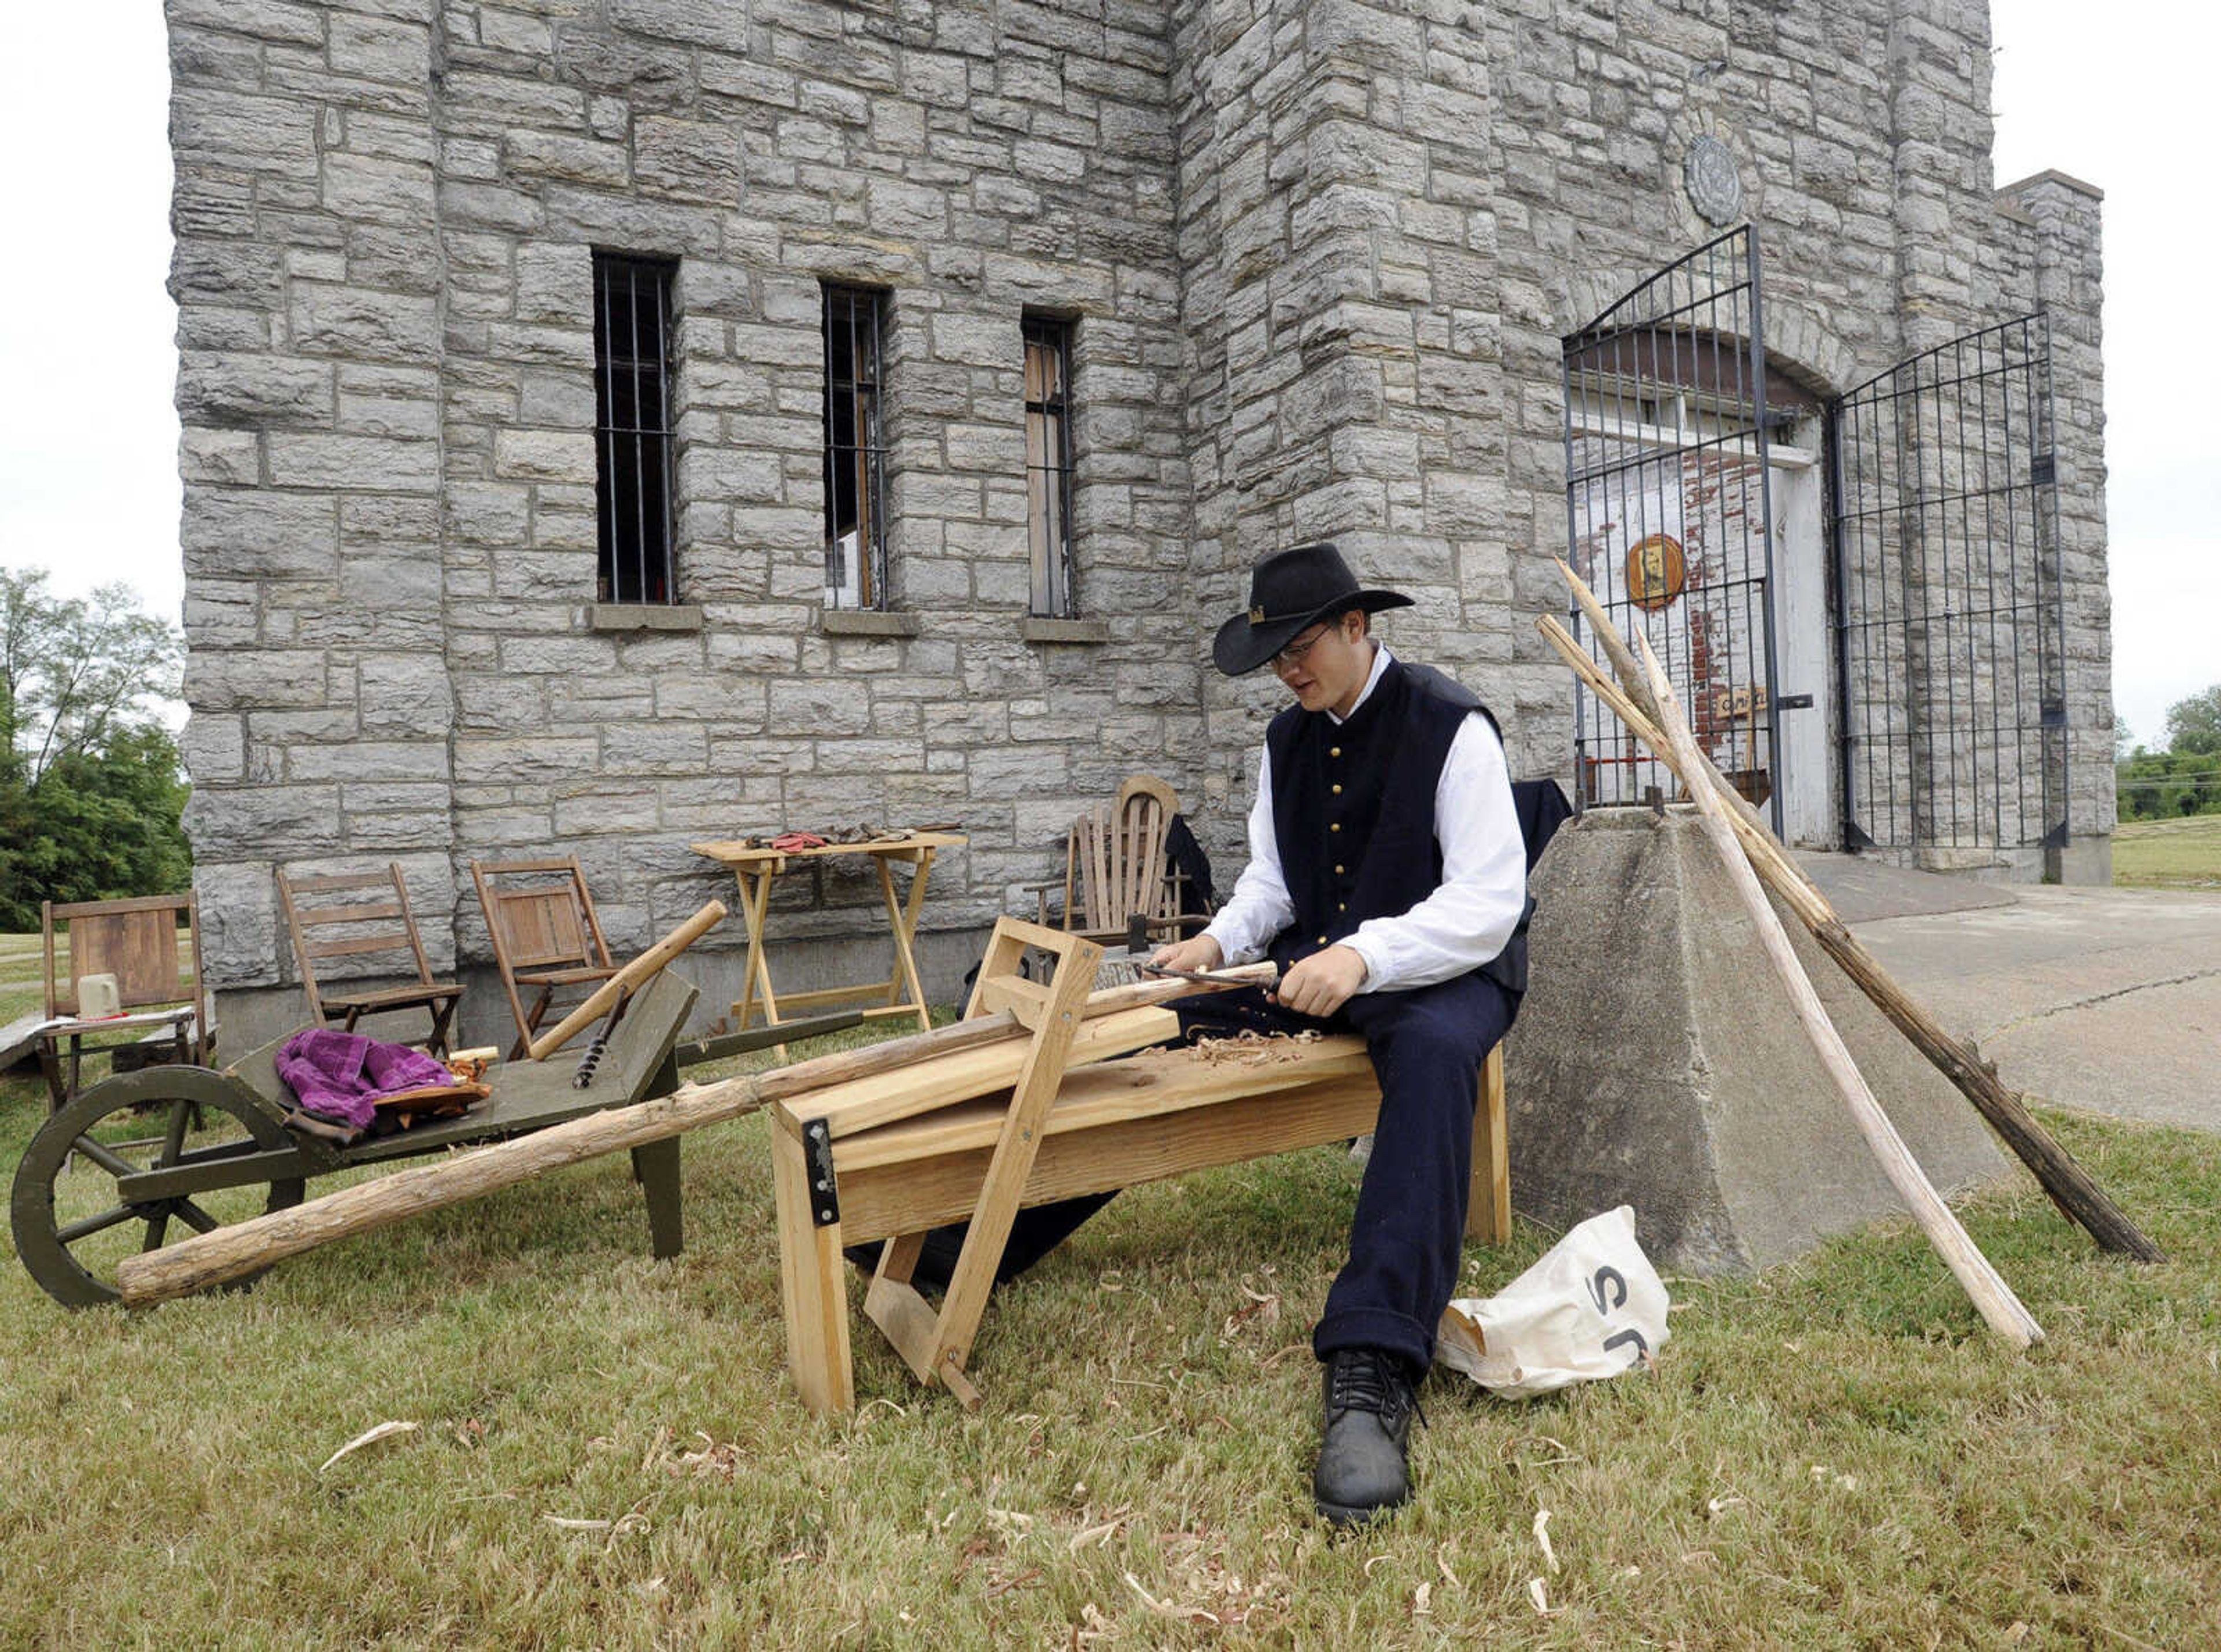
[{"x": 1368, "y": 1403}]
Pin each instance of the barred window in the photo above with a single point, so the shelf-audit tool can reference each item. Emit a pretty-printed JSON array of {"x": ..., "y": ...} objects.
[
  {"x": 632, "y": 428},
  {"x": 855, "y": 450},
  {"x": 1048, "y": 464}
]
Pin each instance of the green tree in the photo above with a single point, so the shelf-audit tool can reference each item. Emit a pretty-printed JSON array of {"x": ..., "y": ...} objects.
[
  {"x": 91, "y": 787},
  {"x": 2194, "y": 724}
]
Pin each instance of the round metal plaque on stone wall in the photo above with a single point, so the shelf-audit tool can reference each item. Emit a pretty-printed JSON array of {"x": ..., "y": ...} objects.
[{"x": 1714, "y": 185}]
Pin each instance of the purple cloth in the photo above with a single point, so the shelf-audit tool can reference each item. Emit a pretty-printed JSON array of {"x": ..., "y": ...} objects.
[{"x": 342, "y": 1074}]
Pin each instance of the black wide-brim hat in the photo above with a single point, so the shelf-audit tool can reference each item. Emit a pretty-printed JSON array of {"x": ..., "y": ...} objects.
[{"x": 1289, "y": 591}]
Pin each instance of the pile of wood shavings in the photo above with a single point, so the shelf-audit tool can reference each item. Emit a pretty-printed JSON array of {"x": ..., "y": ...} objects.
[{"x": 1254, "y": 1048}]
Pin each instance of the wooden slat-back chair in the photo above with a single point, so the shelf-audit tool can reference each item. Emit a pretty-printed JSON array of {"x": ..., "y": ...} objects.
[
  {"x": 139, "y": 941},
  {"x": 354, "y": 927},
  {"x": 545, "y": 932},
  {"x": 1115, "y": 868}
]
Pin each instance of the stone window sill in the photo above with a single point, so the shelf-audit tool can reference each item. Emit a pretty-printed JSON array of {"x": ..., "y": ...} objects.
[
  {"x": 643, "y": 617},
  {"x": 866, "y": 621},
  {"x": 1035, "y": 629}
]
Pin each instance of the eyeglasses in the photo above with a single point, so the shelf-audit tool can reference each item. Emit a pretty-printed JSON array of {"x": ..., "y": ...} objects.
[{"x": 1294, "y": 653}]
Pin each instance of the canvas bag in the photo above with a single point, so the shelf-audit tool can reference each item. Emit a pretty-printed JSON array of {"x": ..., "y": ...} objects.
[{"x": 1590, "y": 1308}]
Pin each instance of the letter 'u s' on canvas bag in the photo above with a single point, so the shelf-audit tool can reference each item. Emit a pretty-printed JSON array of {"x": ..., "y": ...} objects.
[{"x": 1590, "y": 1308}]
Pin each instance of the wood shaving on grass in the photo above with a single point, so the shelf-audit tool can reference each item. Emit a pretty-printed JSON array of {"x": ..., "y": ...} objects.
[
  {"x": 714, "y": 1459},
  {"x": 1166, "y": 1608},
  {"x": 368, "y": 1437}
]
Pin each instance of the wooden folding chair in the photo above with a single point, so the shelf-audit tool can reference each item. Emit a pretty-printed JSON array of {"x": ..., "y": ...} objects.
[
  {"x": 1115, "y": 869},
  {"x": 359, "y": 924},
  {"x": 139, "y": 942},
  {"x": 546, "y": 934}
]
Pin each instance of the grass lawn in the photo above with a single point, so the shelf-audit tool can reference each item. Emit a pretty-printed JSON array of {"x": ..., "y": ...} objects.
[
  {"x": 2183, "y": 854},
  {"x": 607, "y": 1452}
]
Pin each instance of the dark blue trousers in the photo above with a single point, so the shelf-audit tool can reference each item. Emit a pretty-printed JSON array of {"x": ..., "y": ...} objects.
[
  {"x": 1427, "y": 1047},
  {"x": 1409, "y": 1232}
]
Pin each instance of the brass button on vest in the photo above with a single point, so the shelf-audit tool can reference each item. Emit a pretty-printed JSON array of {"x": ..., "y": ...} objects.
[
  {"x": 1334, "y": 751},
  {"x": 1337, "y": 868},
  {"x": 1337, "y": 791},
  {"x": 1321, "y": 940},
  {"x": 1334, "y": 826}
]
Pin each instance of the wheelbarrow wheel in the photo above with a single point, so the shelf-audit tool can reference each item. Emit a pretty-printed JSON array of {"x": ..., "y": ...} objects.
[{"x": 72, "y": 1226}]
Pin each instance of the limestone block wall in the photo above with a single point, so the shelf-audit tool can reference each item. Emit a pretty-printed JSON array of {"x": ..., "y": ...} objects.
[
  {"x": 1336, "y": 225},
  {"x": 387, "y": 215},
  {"x": 1318, "y": 257},
  {"x": 311, "y": 344}
]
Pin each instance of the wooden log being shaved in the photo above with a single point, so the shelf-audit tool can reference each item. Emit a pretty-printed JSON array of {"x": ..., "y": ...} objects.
[
  {"x": 2072, "y": 1189},
  {"x": 230, "y": 1253},
  {"x": 1992, "y": 1298},
  {"x": 628, "y": 978}
]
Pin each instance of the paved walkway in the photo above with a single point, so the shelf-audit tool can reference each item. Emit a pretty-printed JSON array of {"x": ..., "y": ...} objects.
[{"x": 2106, "y": 999}]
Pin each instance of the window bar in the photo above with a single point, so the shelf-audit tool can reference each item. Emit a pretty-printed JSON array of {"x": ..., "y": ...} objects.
[
  {"x": 1732, "y": 569},
  {"x": 1574, "y": 537},
  {"x": 639, "y": 421},
  {"x": 605, "y": 445},
  {"x": 2051, "y": 570},
  {"x": 1775, "y": 765},
  {"x": 667, "y": 576},
  {"x": 860, "y": 460},
  {"x": 1924, "y": 461},
  {"x": 878, "y": 454},
  {"x": 1068, "y": 592},
  {"x": 1634, "y": 487},
  {"x": 860, "y": 429},
  {"x": 1974, "y": 464},
  {"x": 1988, "y": 427},
  {"x": 1940, "y": 605},
  {"x": 2010, "y": 494},
  {"x": 1900, "y": 768},
  {"x": 1735, "y": 570}
]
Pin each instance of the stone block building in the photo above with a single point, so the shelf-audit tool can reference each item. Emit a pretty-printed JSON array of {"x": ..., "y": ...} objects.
[{"x": 613, "y": 424}]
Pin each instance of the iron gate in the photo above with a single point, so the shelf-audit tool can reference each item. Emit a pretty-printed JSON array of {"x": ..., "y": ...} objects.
[
  {"x": 1950, "y": 626},
  {"x": 1668, "y": 513}
]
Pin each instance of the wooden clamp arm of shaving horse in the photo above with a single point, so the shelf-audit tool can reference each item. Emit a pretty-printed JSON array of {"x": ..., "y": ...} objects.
[{"x": 977, "y": 1133}]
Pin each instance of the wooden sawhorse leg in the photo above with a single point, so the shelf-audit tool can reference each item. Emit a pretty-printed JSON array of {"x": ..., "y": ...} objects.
[
  {"x": 1488, "y": 1200},
  {"x": 755, "y": 975},
  {"x": 812, "y": 1282},
  {"x": 903, "y": 986}
]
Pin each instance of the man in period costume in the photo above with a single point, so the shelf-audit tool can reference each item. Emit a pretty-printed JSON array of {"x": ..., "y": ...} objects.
[{"x": 1387, "y": 879}]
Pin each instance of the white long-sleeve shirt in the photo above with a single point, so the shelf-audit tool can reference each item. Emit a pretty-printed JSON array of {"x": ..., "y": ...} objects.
[{"x": 1471, "y": 914}]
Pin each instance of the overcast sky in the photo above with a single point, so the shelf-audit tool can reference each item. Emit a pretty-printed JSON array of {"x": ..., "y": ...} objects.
[{"x": 88, "y": 472}]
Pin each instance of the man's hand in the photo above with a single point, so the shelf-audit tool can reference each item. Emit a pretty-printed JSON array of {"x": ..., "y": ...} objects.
[
  {"x": 1324, "y": 982},
  {"x": 1200, "y": 952}
]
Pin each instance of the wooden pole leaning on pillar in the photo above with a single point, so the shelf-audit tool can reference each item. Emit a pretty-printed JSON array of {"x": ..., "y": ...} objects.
[
  {"x": 229, "y": 1252},
  {"x": 1992, "y": 1298},
  {"x": 2072, "y": 1189}
]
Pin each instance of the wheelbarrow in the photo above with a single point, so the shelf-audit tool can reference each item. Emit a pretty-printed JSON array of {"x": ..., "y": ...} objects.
[{"x": 143, "y": 1158}]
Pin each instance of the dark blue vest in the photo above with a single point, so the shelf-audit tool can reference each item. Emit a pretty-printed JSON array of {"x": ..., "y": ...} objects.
[{"x": 1354, "y": 811}]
